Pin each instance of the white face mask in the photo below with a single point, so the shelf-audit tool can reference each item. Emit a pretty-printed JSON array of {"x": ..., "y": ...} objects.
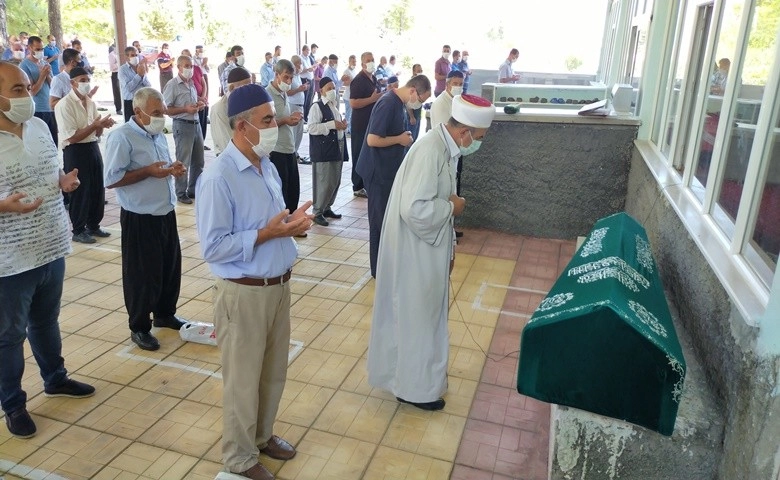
[
  {"x": 38, "y": 55},
  {"x": 84, "y": 88},
  {"x": 186, "y": 73},
  {"x": 370, "y": 67},
  {"x": 465, "y": 58},
  {"x": 53, "y": 43},
  {"x": 24, "y": 42},
  {"x": 284, "y": 87},
  {"x": 22, "y": 109},
  {"x": 445, "y": 55},
  {"x": 133, "y": 61},
  {"x": 455, "y": 91},
  {"x": 156, "y": 125},
  {"x": 240, "y": 60},
  {"x": 268, "y": 137},
  {"x": 165, "y": 51},
  {"x": 330, "y": 96}
]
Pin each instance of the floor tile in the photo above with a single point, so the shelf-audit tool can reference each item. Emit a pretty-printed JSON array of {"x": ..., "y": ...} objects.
[
  {"x": 433, "y": 434},
  {"x": 357, "y": 416},
  {"x": 323, "y": 455},
  {"x": 393, "y": 464}
]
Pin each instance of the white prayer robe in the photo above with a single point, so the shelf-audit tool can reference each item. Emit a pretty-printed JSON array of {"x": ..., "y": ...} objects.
[{"x": 409, "y": 344}]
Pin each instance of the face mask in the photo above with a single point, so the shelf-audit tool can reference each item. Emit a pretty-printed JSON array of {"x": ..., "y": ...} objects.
[
  {"x": 38, "y": 55},
  {"x": 455, "y": 91},
  {"x": 465, "y": 58},
  {"x": 475, "y": 144},
  {"x": 186, "y": 73},
  {"x": 133, "y": 61},
  {"x": 84, "y": 88},
  {"x": 330, "y": 96},
  {"x": 445, "y": 55},
  {"x": 156, "y": 125},
  {"x": 19, "y": 55},
  {"x": 24, "y": 42},
  {"x": 165, "y": 51},
  {"x": 284, "y": 87},
  {"x": 414, "y": 105},
  {"x": 53, "y": 43},
  {"x": 268, "y": 137},
  {"x": 22, "y": 109},
  {"x": 370, "y": 68},
  {"x": 240, "y": 60}
]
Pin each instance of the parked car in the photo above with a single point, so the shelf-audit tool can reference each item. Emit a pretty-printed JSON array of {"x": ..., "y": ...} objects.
[{"x": 150, "y": 54}]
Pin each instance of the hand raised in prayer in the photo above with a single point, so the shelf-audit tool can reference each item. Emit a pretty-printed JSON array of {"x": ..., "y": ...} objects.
[
  {"x": 70, "y": 181},
  {"x": 340, "y": 125},
  {"x": 159, "y": 170},
  {"x": 300, "y": 212},
  {"x": 405, "y": 138},
  {"x": 93, "y": 91},
  {"x": 459, "y": 203},
  {"x": 13, "y": 203},
  {"x": 192, "y": 108},
  {"x": 295, "y": 224},
  {"x": 178, "y": 169}
]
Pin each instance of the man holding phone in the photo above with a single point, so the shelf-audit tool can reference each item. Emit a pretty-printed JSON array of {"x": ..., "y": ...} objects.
[{"x": 140, "y": 168}]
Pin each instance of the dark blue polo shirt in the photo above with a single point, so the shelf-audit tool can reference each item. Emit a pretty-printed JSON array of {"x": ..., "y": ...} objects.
[{"x": 379, "y": 165}]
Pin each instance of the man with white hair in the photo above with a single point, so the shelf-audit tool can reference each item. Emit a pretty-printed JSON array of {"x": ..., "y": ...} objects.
[
  {"x": 409, "y": 344},
  {"x": 141, "y": 170}
]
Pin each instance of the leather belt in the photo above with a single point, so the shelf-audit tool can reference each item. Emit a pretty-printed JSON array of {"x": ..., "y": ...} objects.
[
  {"x": 192, "y": 122},
  {"x": 262, "y": 282}
]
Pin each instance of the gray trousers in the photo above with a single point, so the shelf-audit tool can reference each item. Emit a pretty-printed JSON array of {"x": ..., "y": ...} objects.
[
  {"x": 298, "y": 129},
  {"x": 188, "y": 139},
  {"x": 327, "y": 180}
]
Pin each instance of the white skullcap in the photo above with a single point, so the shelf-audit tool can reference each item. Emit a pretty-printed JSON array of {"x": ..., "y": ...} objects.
[{"x": 473, "y": 111}]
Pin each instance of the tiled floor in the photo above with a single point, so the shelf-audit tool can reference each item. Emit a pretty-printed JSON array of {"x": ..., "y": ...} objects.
[{"x": 157, "y": 415}]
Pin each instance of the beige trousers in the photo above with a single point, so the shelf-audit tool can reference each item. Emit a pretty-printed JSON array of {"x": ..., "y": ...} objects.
[{"x": 253, "y": 334}]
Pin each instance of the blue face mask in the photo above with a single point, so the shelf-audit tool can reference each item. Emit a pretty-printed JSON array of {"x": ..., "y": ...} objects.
[{"x": 473, "y": 147}]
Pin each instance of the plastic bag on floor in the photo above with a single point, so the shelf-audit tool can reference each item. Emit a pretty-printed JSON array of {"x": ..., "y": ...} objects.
[{"x": 199, "y": 332}]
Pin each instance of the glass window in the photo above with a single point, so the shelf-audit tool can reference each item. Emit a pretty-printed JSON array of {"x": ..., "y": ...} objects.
[
  {"x": 754, "y": 72},
  {"x": 725, "y": 50}
]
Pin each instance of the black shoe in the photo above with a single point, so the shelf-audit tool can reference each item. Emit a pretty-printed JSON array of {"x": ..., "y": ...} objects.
[
  {"x": 20, "y": 423},
  {"x": 119, "y": 112},
  {"x": 206, "y": 147},
  {"x": 145, "y": 340},
  {"x": 191, "y": 196},
  {"x": 169, "y": 322},
  {"x": 185, "y": 200},
  {"x": 360, "y": 193},
  {"x": 330, "y": 214},
  {"x": 458, "y": 234},
  {"x": 320, "y": 220},
  {"x": 71, "y": 388},
  {"x": 98, "y": 233},
  {"x": 437, "y": 405},
  {"x": 83, "y": 237}
]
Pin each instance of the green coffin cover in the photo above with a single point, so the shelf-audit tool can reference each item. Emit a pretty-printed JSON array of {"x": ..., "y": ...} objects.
[{"x": 603, "y": 340}]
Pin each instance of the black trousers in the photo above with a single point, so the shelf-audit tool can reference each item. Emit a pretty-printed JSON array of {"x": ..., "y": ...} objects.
[
  {"x": 458, "y": 173},
  {"x": 87, "y": 203},
  {"x": 287, "y": 167},
  {"x": 203, "y": 118},
  {"x": 128, "y": 111},
  {"x": 115, "y": 91},
  {"x": 378, "y": 195},
  {"x": 51, "y": 122},
  {"x": 308, "y": 97},
  {"x": 356, "y": 142},
  {"x": 151, "y": 267}
]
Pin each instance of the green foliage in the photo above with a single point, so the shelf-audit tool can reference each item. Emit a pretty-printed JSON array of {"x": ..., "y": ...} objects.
[
  {"x": 90, "y": 19},
  {"x": 29, "y": 16},
  {"x": 159, "y": 24},
  {"x": 766, "y": 19},
  {"x": 397, "y": 19},
  {"x": 496, "y": 34},
  {"x": 572, "y": 63}
]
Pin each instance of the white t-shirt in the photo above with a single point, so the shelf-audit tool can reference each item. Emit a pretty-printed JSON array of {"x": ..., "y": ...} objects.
[
  {"x": 306, "y": 64},
  {"x": 31, "y": 166},
  {"x": 298, "y": 98},
  {"x": 351, "y": 72}
]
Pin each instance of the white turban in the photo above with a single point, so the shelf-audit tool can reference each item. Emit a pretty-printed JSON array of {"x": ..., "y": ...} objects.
[{"x": 473, "y": 111}]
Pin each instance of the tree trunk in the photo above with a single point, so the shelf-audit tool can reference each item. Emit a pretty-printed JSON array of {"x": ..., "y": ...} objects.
[
  {"x": 55, "y": 20},
  {"x": 3, "y": 25}
]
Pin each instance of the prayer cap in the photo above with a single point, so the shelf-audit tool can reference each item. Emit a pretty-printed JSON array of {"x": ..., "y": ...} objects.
[
  {"x": 247, "y": 97},
  {"x": 238, "y": 74},
  {"x": 77, "y": 72},
  {"x": 473, "y": 111},
  {"x": 455, "y": 74},
  {"x": 324, "y": 81},
  {"x": 392, "y": 79}
]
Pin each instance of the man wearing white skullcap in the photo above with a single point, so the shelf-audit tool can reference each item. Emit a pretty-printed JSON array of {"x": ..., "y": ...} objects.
[{"x": 409, "y": 343}]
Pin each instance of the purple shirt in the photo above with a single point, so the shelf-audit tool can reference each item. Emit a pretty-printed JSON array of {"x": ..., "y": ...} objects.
[{"x": 442, "y": 68}]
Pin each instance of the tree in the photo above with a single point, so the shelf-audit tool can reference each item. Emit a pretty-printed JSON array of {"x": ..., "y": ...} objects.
[
  {"x": 3, "y": 23},
  {"x": 159, "y": 25},
  {"x": 572, "y": 63},
  {"x": 55, "y": 20},
  {"x": 397, "y": 20}
]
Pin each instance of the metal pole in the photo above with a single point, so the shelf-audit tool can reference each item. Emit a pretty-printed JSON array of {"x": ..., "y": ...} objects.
[{"x": 297, "y": 25}]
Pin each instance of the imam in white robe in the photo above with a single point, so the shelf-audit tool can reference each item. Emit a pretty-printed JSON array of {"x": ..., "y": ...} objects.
[{"x": 409, "y": 344}]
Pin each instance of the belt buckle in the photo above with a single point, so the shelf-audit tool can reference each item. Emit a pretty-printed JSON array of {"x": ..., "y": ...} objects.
[{"x": 265, "y": 282}]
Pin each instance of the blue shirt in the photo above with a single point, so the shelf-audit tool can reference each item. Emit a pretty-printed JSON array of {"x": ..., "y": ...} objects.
[
  {"x": 380, "y": 164},
  {"x": 223, "y": 78},
  {"x": 463, "y": 66},
  {"x": 333, "y": 74},
  {"x": 266, "y": 74},
  {"x": 130, "y": 82},
  {"x": 235, "y": 200},
  {"x": 180, "y": 93},
  {"x": 60, "y": 85},
  {"x": 42, "y": 97},
  {"x": 129, "y": 147},
  {"x": 49, "y": 51}
]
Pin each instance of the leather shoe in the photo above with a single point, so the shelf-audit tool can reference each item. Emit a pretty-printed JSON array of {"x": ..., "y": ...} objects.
[
  {"x": 145, "y": 341},
  {"x": 168, "y": 322},
  {"x": 278, "y": 449},
  {"x": 435, "y": 405},
  {"x": 20, "y": 423},
  {"x": 257, "y": 472},
  {"x": 83, "y": 237},
  {"x": 185, "y": 200},
  {"x": 303, "y": 235},
  {"x": 331, "y": 214},
  {"x": 320, "y": 220},
  {"x": 99, "y": 232}
]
